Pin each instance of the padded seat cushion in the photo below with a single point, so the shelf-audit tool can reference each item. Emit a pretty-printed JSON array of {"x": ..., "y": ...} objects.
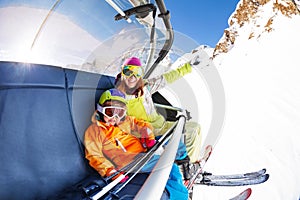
[{"x": 40, "y": 149}]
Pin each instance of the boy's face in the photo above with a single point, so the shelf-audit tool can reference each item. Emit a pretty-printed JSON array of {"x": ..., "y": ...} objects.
[{"x": 115, "y": 111}]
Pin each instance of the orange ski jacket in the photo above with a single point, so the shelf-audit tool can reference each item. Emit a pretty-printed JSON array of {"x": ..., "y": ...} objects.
[{"x": 113, "y": 147}]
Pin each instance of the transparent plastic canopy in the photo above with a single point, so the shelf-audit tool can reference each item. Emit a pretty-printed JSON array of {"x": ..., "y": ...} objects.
[{"x": 81, "y": 34}]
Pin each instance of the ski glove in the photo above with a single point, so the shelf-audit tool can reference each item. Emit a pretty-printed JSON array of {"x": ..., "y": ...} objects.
[
  {"x": 195, "y": 61},
  {"x": 178, "y": 73},
  {"x": 146, "y": 140}
]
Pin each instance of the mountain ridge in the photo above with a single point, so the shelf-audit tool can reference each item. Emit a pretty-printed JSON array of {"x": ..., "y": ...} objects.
[{"x": 253, "y": 18}]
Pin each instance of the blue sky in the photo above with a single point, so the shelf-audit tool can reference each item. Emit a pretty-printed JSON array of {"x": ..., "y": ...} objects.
[{"x": 203, "y": 21}]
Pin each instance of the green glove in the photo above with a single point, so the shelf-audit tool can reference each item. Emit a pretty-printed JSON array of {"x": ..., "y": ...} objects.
[{"x": 178, "y": 73}]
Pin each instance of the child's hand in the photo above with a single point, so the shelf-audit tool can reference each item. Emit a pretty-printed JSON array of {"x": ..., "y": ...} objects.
[
  {"x": 146, "y": 140},
  {"x": 150, "y": 143}
]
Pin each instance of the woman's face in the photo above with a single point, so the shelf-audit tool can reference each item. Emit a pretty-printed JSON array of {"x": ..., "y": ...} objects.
[{"x": 131, "y": 81}]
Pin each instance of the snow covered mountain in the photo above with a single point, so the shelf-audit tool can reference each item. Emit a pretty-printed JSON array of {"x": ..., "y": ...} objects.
[
  {"x": 253, "y": 19},
  {"x": 258, "y": 61}
]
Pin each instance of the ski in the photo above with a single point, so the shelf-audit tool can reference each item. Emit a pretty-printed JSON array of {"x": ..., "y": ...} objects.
[
  {"x": 243, "y": 195},
  {"x": 189, "y": 183},
  {"x": 235, "y": 182},
  {"x": 211, "y": 176}
]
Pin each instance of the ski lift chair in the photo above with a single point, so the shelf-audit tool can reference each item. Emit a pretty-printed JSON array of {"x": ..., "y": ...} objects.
[{"x": 44, "y": 111}]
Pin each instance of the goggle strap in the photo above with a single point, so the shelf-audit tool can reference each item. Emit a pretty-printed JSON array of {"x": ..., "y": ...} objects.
[{"x": 99, "y": 108}]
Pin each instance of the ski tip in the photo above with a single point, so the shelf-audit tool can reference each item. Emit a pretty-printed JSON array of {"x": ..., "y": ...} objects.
[
  {"x": 243, "y": 195},
  {"x": 267, "y": 176},
  {"x": 247, "y": 193},
  {"x": 208, "y": 147},
  {"x": 206, "y": 155},
  {"x": 208, "y": 151}
]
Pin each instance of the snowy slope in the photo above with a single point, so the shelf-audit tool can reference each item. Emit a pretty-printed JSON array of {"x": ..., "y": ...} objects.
[{"x": 260, "y": 73}]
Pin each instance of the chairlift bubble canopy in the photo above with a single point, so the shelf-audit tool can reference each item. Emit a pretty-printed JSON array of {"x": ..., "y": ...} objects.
[{"x": 79, "y": 34}]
